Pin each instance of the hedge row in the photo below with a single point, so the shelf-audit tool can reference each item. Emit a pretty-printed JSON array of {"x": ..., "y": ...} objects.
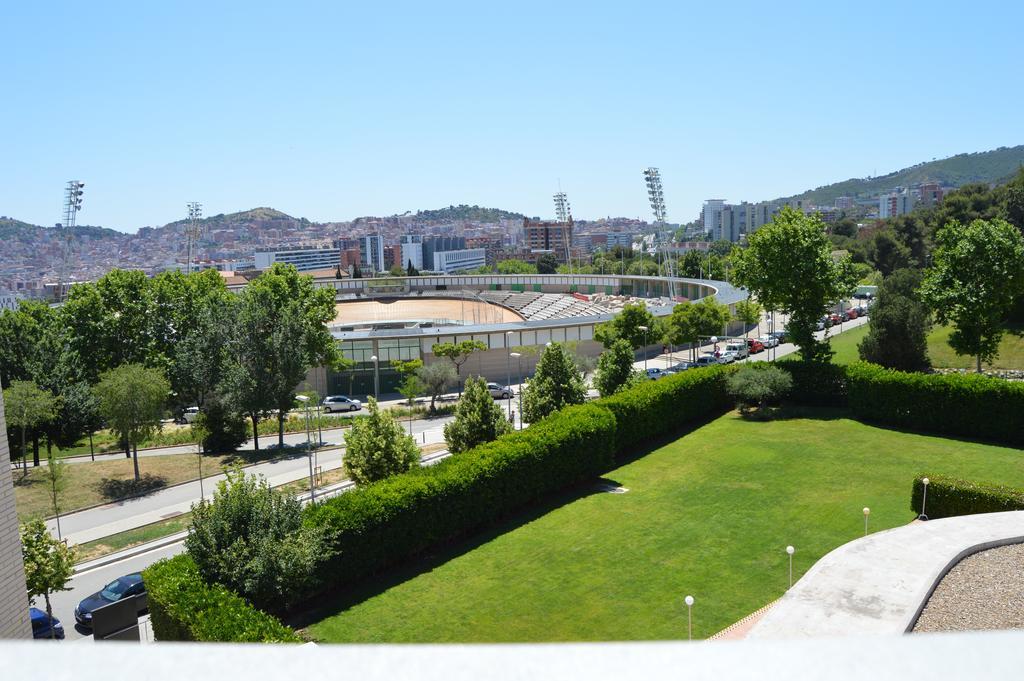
[
  {"x": 183, "y": 607},
  {"x": 656, "y": 408},
  {"x": 816, "y": 384},
  {"x": 966, "y": 405},
  {"x": 949, "y": 497}
]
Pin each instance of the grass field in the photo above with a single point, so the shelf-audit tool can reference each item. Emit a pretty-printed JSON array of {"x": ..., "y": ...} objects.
[
  {"x": 709, "y": 515},
  {"x": 1011, "y": 349},
  {"x": 129, "y": 538}
]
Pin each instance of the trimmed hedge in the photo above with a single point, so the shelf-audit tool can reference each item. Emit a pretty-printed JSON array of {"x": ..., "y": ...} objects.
[
  {"x": 817, "y": 384},
  {"x": 183, "y": 607},
  {"x": 967, "y": 405},
  {"x": 948, "y": 497},
  {"x": 374, "y": 527},
  {"x": 656, "y": 408}
]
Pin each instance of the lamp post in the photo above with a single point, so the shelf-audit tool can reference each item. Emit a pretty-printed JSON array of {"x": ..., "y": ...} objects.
[
  {"x": 376, "y": 378},
  {"x": 519, "y": 360},
  {"x": 790, "y": 550},
  {"x": 689, "y": 616},
  {"x": 867, "y": 512},
  {"x": 924, "y": 499},
  {"x": 309, "y": 449},
  {"x": 508, "y": 373},
  {"x": 714, "y": 346},
  {"x": 644, "y": 329}
]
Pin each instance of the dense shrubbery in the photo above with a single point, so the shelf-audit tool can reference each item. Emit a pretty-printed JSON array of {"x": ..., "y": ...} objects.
[
  {"x": 950, "y": 404},
  {"x": 817, "y": 384},
  {"x": 757, "y": 386},
  {"x": 184, "y": 607},
  {"x": 949, "y": 497},
  {"x": 655, "y": 408}
]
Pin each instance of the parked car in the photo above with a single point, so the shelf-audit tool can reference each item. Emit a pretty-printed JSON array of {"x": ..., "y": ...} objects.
[
  {"x": 728, "y": 357},
  {"x": 738, "y": 348},
  {"x": 188, "y": 415},
  {"x": 844, "y": 316},
  {"x": 707, "y": 360},
  {"x": 333, "y": 403},
  {"x": 682, "y": 366},
  {"x": 835, "y": 319},
  {"x": 41, "y": 625},
  {"x": 654, "y": 373},
  {"x": 852, "y": 313},
  {"x": 502, "y": 392},
  {"x": 781, "y": 336},
  {"x": 129, "y": 586},
  {"x": 769, "y": 341},
  {"x": 754, "y": 346}
]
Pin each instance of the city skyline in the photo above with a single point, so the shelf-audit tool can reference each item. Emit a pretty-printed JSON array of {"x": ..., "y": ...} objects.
[{"x": 332, "y": 113}]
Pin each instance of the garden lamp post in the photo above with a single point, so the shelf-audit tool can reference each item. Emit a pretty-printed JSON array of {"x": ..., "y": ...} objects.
[
  {"x": 519, "y": 360},
  {"x": 924, "y": 499},
  {"x": 644, "y": 329},
  {"x": 689, "y": 616},
  {"x": 790, "y": 550},
  {"x": 867, "y": 512},
  {"x": 376, "y": 378},
  {"x": 309, "y": 449}
]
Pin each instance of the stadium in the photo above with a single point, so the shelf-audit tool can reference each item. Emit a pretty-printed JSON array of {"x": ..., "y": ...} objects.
[{"x": 380, "y": 320}]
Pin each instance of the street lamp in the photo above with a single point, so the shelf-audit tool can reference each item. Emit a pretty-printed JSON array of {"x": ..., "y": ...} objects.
[
  {"x": 790, "y": 550},
  {"x": 644, "y": 329},
  {"x": 714, "y": 346},
  {"x": 519, "y": 360},
  {"x": 867, "y": 512},
  {"x": 508, "y": 373},
  {"x": 376, "y": 378},
  {"x": 924, "y": 499},
  {"x": 309, "y": 448},
  {"x": 689, "y": 615}
]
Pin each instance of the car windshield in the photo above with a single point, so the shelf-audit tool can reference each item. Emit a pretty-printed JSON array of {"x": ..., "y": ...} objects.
[{"x": 115, "y": 590}]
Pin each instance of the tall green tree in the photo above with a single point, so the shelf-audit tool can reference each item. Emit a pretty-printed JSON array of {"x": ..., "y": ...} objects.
[
  {"x": 788, "y": 266},
  {"x": 478, "y": 418},
  {"x": 28, "y": 407},
  {"x": 49, "y": 564},
  {"x": 899, "y": 324},
  {"x": 377, "y": 447},
  {"x": 977, "y": 273},
  {"x": 547, "y": 263},
  {"x": 634, "y": 324},
  {"x": 749, "y": 313},
  {"x": 131, "y": 400},
  {"x": 887, "y": 254},
  {"x": 555, "y": 384},
  {"x": 457, "y": 354},
  {"x": 436, "y": 377},
  {"x": 689, "y": 323},
  {"x": 615, "y": 369}
]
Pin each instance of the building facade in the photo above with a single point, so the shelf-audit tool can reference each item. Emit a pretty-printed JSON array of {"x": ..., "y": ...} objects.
[
  {"x": 371, "y": 251},
  {"x": 435, "y": 244},
  {"x": 13, "y": 603},
  {"x": 453, "y": 261},
  {"x": 548, "y": 236},
  {"x": 897, "y": 203},
  {"x": 304, "y": 259},
  {"x": 412, "y": 250}
]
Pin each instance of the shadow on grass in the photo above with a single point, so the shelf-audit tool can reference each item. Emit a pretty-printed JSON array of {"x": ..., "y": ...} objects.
[{"x": 113, "y": 489}]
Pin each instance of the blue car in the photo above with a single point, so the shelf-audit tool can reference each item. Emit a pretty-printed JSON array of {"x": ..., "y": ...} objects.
[
  {"x": 41, "y": 625},
  {"x": 129, "y": 586}
]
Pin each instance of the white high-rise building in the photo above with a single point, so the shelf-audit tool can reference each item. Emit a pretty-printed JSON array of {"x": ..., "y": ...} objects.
[
  {"x": 412, "y": 250},
  {"x": 371, "y": 252},
  {"x": 897, "y": 203},
  {"x": 466, "y": 259},
  {"x": 713, "y": 216}
]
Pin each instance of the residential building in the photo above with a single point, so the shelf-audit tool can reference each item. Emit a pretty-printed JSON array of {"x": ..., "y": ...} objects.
[
  {"x": 845, "y": 203},
  {"x": 435, "y": 244},
  {"x": 732, "y": 222},
  {"x": 304, "y": 259},
  {"x": 412, "y": 250},
  {"x": 930, "y": 194},
  {"x": 8, "y": 301},
  {"x": 13, "y": 604},
  {"x": 899, "y": 202},
  {"x": 371, "y": 250},
  {"x": 465, "y": 259},
  {"x": 548, "y": 236},
  {"x": 711, "y": 216},
  {"x": 350, "y": 257}
]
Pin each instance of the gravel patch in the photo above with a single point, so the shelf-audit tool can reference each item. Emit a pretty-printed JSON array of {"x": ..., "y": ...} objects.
[{"x": 983, "y": 591}]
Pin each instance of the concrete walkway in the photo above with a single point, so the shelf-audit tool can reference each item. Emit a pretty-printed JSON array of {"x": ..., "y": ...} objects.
[{"x": 878, "y": 585}]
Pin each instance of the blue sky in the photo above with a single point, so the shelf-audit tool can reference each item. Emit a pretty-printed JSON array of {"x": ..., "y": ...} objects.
[{"x": 335, "y": 110}]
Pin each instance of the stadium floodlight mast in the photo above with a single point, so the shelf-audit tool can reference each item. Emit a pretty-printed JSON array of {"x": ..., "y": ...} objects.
[
  {"x": 72, "y": 204},
  {"x": 563, "y": 213},
  {"x": 656, "y": 195},
  {"x": 195, "y": 213}
]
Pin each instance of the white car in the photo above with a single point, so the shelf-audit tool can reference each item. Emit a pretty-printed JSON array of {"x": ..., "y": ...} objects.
[
  {"x": 189, "y": 414},
  {"x": 333, "y": 403},
  {"x": 656, "y": 373},
  {"x": 502, "y": 392},
  {"x": 769, "y": 341}
]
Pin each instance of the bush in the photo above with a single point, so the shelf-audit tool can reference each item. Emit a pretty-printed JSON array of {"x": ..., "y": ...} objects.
[
  {"x": 251, "y": 539},
  {"x": 555, "y": 384},
  {"x": 952, "y": 404},
  {"x": 655, "y": 408},
  {"x": 478, "y": 418},
  {"x": 226, "y": 430},
  {"x": 615, "y": 370},
  {"x": 948, "y": 497},
  {"x": 183, "y": 607},
  {"x": 817, "y": 384},
  {"x": 379, "y": 525},
  {"x": 757, "y": 385},
  {"x": 377, "y": 447}
]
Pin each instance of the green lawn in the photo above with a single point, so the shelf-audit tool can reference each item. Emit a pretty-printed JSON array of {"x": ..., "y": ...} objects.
[
  {"x": 1011, "y": 349},
  {"x": 709, "y": 515}
]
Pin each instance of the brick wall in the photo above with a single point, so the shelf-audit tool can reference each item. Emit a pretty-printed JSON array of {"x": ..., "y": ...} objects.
[{"x": 13, "y": 604}]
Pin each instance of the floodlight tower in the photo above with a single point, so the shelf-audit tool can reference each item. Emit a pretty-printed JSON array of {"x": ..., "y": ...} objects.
[
  {"x": 72, "y": 204},
  {"x": 563, "y": 213},
  {"x": 652, "y": 177},
  {"x": 195, "y": 212}
]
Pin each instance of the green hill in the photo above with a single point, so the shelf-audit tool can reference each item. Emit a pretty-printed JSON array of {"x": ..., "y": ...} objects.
[
  {"x": 16, "y": 229},
  {"x": 995, "y": 166},
  {"x": 464, "y": 212}
]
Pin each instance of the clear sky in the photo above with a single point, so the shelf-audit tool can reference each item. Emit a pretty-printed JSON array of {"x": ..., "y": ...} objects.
[{"x": 334, "y": 110}]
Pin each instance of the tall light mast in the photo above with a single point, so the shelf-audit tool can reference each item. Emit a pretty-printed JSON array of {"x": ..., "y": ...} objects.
[
  {"x": 652, "y": 178},
  {"x": 72, "y": 204},
  {"x": 563, "y": 213},
  {"x": 192, "y": 232}
]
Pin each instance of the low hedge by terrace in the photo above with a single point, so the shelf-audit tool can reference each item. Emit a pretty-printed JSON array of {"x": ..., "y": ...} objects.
[
  {"x": 183, "y": 607},
  {"x": 948, "y": 497}
]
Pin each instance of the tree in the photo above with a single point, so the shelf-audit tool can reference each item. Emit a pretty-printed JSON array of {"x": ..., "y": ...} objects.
[
  {"x": 457, "y": 353},
  {"x": 28, "y": 407},
  {"x": 411, "y": 271},
  {"x": 627, "y": 325},
  {"x": 251, "y": 539},
  {"x": 547, "y": 263},
  {"x": 411, "y": 386},
  {"x": 515, "y": 267},
  {"x": 788, "y": 266},
  {"x": 749, "y": 312},
  {"x": 615, "y": 369},
  {"x": 49, "y": 564},
  {"x": 845, "y": 227},
  {"x": 131, "y": 399},
  {"x": 56, "y": 476},
  {"x": 978, "y": 271},
  {"x": 555, "y": 384},
  {"x": 887, "y": 254},
  {"x": 899, "y": 324},
  {"x": 377, "y": 447},
  {"x": 755, "y": 387},
  {"x": 478, "y": 418},
  {"x": 436, "y": 378},
  {"x": 690, "y": 322}
]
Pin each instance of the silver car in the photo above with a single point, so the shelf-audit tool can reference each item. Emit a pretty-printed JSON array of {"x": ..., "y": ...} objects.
[
  {"x": 502, "y": 392},
  {"x": 334, "y": 403}
]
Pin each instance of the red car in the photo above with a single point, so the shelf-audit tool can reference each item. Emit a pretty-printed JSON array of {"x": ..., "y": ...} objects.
[
  {"x": 852, "y": 313},
  {"x": 754, "y": 346},
  {"x": 836, "y": 319}
]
